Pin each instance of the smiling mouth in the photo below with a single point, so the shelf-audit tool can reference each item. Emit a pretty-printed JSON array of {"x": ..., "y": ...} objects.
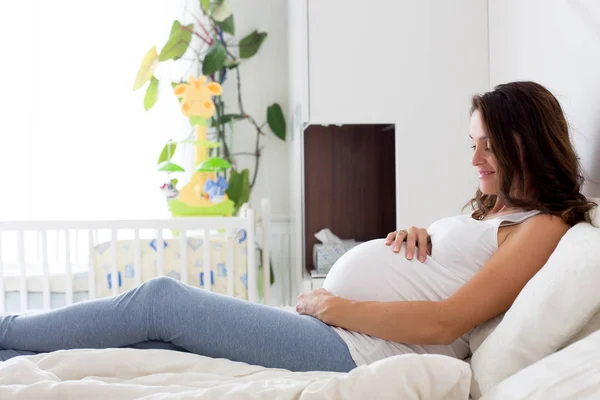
[{"x": 485, "y": 174}]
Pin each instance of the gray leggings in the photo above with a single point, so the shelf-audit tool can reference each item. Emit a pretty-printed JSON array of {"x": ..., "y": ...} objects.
[{"x": 164, "y": 313}]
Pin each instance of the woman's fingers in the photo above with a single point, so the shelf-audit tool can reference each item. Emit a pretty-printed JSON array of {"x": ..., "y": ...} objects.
[
  {"x": 422, "y": 238},
  {"x": 400, "y": 237},
  {"x": 411, "y": 242},
  {"x": 390, "y": 238},
  {"x": 417, "y": 240}
]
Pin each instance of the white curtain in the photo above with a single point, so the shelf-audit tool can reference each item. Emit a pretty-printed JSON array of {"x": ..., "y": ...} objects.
[{"x": 75, "y": 141}]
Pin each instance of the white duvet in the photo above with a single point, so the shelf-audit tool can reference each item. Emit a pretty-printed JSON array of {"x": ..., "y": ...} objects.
[{"x": 158, "y": 374}]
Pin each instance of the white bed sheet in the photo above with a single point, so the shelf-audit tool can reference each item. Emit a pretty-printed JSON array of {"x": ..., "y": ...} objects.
[{"x": 157, "y": 374}]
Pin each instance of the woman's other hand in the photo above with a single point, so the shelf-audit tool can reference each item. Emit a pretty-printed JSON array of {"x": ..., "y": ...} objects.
[
  {"x": 314, "y": 303},
  {"x": 416, "y": 238}
]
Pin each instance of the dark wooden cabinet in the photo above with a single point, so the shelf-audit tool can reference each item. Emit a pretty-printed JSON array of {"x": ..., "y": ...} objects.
[{"x": 349, "y": 177}]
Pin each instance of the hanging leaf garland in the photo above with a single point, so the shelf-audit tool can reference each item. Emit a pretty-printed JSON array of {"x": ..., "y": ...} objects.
[
  {"x": 178, "y": 42},
  {"x": 151, "y": 94},
  {"x": 167, "y": 152},
  {"x": 147, "y": 68},
  {"x": 276, "y": 120},
  {"x": 214, "y": 59},
  {"x": 250, "y": 44}
]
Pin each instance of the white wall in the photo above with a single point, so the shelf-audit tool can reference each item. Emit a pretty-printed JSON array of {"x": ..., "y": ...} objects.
[
  {"x": 264, "y": 81},
  {"x": 412, "y": 63},
  {"x": 557, "y": 44}
]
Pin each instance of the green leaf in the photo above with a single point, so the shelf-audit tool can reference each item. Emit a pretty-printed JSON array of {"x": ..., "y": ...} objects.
[
  {"x": 276, "y": 120},
  {"x": 220, "y": 10},
  {"x": 146, "y": 70},
  {"x": 227, "y": 25},
  {"x": 213, "y": 164},
  {"x": 178, "y": 42},
  {"x": 250, "y": 44},
  {"x": 168, "y": 166},
  {"x": 260, "y": 276},
  {"x": 167, "y": 152},
  {"x": 205, "y": 4},
  {"x": 214, "y": 59},
  {"x": 272, "y": 277},
  {"x": 174, "y": 183},
  {"x": 230, "y": 117},
  {"x": 239, "y": 188},
  {"x": 151, "y": 94}
]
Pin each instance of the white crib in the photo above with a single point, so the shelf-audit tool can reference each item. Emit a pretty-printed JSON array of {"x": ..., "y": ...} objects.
[{"x": 55, "y": 259}]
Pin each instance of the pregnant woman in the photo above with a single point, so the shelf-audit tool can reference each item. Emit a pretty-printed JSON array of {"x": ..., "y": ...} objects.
[{"x": 418, "y": 291}]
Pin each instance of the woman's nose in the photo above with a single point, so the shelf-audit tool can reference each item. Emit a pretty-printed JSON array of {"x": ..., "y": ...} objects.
[{"x": 477, "y": 158}]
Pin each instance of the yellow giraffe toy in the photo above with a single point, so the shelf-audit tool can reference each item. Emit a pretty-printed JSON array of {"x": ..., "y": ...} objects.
[{"x": 197, "y": 104}]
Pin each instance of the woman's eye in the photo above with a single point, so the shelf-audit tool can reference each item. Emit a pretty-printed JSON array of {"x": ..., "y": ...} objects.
[{"x": 473, "y": 147}]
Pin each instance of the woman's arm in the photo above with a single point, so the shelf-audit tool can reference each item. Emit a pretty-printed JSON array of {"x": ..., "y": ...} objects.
[{"x": 490, "y": 292}]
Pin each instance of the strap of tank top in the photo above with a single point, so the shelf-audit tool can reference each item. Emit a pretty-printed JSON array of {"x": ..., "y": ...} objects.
[{"x": 516, "y": 218}]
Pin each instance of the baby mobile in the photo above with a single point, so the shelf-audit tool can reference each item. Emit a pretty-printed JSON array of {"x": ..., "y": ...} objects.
[{"x": 204, "y": 194}]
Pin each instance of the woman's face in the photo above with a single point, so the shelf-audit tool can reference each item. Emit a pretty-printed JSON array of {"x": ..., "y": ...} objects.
[{"x": 483, "y": 159}]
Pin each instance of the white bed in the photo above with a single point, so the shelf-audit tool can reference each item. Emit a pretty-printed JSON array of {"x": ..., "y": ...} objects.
[{"x": 159, "y": 374}]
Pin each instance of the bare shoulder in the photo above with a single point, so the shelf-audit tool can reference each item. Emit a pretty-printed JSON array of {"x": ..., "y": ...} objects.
[
  {"x": 544, "y": 223},
  {"x": 540, "y": 228}
]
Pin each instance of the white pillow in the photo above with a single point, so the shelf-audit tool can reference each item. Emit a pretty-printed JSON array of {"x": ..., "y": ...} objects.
[
  {"x": 572, "y": 373},
  {"x": 550, "y": 310},
  {"x": 482, "y": 331}
]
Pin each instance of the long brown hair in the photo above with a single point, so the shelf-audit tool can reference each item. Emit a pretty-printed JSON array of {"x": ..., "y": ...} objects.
[{"x": 529, "y": 136}]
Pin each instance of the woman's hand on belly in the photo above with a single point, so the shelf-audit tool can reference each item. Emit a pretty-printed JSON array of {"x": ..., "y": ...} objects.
[
  {"x": 414, "y": 238},
  {"x": 314, "y": 303}
]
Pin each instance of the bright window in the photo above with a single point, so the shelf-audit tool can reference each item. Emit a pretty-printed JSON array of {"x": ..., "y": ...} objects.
[{"x": 76, "y": 142}]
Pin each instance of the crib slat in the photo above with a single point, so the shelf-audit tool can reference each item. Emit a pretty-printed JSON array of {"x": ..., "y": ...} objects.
[
  {"x": 137, "y": 258},
  {"x": 114, "y": 276},
  {"x": 68, "y": 267},
  {"x": 160, "y": 248},
  {"x": 266, "y": 258},
  {"x": 183, "y": 255},
  {"x": 22, "y": 269},
  {"x": 207, "y": 266},
  {"x": 91, "y": 266},
  {"x": 76, "y": 258},
  {"x": 45, "y": 269},
  {"x": 2, "y": 292},
  {"x": 251, "y": 246},
  {"x": 229, "y": 264}
]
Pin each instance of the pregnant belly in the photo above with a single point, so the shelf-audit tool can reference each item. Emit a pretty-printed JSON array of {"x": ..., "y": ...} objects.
[{"x": 372, "y": 272}]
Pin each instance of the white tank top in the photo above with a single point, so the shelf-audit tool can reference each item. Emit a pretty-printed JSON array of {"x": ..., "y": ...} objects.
[{"x": 372, "y": 272}]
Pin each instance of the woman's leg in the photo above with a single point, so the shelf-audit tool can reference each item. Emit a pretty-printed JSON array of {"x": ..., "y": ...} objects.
[{"x": 198, "y": 321}]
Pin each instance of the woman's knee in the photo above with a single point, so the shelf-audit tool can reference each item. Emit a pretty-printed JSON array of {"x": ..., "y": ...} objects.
[{"x": 162, "y": 284}]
